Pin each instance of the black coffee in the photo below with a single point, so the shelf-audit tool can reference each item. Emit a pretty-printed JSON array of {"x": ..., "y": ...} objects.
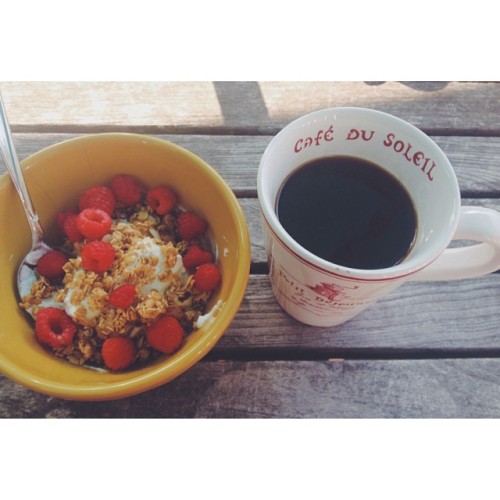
[{"x": 348, "y": 211}]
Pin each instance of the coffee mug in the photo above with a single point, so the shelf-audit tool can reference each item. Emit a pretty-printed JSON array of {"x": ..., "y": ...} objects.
[{"x": 321, "y": 292}]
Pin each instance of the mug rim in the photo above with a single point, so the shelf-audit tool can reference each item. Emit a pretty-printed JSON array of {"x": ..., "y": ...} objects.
[{"x": 407, "y": 267}]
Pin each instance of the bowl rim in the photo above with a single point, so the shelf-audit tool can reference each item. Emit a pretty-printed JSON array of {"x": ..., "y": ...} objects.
[{"x": 161, "y": 373}]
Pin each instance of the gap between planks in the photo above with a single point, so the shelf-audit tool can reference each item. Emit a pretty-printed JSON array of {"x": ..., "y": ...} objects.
[
  {"x": 264, "y": 130},
  {"x": 264, "y": 354}
]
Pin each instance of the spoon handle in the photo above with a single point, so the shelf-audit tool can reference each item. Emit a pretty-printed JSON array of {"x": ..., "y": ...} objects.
[{"x": 11, "y": 161}]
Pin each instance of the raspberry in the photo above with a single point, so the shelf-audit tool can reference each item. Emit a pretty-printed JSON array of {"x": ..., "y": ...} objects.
[
  {"x": 98, "y": 197},
  {"x": 70, "y": 227},
  {"x": 122, "y": 296},
  {"x": 165, "y": 334},
  {"x": 118, "y": 353},
  {"x": 196, "y": 256},
  {"x": 93, "y": 223},
  {"x": 53, "y": 327},
  {"x": 50, "y": 265},
  {"x": 206, "y": 277},
  {"x": 190, "y": 226},
  {"x": 161, "y": 199},
  {"x": 62, "y": 216},
  {"x": 98, "y": 256},
  {"x": 126, "y": 189}
]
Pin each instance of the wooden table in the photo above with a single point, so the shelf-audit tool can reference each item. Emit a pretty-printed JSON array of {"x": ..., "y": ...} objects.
[{"x": 426, "y": 350}]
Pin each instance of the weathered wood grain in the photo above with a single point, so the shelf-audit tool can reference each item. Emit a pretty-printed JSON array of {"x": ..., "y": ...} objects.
[
  {"x": 416, "y": 320},
  {"x": 236, "y": 158},
  {"x": 452, "y": 388},
  {"x": 253, "y": 107}
]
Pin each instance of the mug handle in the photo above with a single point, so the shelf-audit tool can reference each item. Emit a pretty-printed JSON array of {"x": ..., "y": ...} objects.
[{"x": 477, "y": 224}]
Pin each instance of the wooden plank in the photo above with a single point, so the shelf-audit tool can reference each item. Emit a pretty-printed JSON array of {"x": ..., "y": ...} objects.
[
  {"x": 236, "y": 158},
  {"x": 418, "y": 319},
  {"x": 452, "y": 388},
  {"x": 260, "y": 107}
]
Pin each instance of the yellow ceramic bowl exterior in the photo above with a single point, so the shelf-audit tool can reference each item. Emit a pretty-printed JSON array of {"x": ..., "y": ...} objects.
[{"x": 55, "y": 177}]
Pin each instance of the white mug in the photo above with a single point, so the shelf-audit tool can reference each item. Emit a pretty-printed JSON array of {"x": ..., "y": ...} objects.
[{"x": 321, "y": 293}]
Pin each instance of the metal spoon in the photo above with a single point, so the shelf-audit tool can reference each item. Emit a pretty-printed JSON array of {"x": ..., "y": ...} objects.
[{"x": 26, "y": 275}]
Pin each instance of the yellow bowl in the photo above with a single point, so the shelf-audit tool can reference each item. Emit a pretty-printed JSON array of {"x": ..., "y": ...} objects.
[{"x": 55, "y": 177}]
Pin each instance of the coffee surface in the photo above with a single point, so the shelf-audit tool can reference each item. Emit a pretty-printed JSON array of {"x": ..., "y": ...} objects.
[{"x": 348, "y": 211}]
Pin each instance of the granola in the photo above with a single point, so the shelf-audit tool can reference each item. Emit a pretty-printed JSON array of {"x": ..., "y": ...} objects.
[{"x": 148, "y": 254}]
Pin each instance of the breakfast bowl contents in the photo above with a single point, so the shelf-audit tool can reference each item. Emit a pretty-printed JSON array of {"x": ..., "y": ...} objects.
[
  {"x": 149, "y": 265},
  {"x": 130, "y": 279}
]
